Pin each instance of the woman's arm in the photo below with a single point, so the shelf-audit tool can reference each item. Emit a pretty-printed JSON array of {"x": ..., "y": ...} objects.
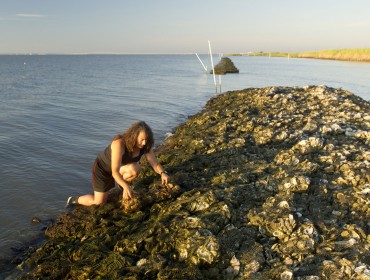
[
  {"x": 153, "y": 161},
  {"x": 116, "y": 157}
]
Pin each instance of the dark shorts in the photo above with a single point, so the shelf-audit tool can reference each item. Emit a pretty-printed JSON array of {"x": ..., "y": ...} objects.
[{"x": 102, "y": 180}]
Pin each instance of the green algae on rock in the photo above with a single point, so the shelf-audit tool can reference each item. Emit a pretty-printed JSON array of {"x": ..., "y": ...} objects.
[
  {"x": 225, "y": 66},
  {"x": 275, "y": 184}
]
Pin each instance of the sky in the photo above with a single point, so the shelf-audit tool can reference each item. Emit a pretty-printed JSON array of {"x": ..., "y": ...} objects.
[{"x": 172, "y": 26}]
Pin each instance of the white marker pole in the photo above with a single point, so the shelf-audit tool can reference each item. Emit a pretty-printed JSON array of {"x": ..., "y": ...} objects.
[
  {"x": 219, "y": 79},
  {"x": 205, "y": 67},
  {"x": 213, "y": 68}
]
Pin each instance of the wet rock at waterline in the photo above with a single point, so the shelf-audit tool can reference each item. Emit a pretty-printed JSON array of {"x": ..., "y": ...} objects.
[
  {"x": 270, "y": 183},
  {"x": 225, "y": 66}
]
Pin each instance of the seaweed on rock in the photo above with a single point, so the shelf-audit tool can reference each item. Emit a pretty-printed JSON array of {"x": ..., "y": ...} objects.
[{"x": 275, "y": 184}]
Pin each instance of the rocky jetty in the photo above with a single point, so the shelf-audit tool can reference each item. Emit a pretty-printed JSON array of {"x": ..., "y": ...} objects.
[
  {"x": 267, "y": 183},
  {"x": 225, "y": 66}
]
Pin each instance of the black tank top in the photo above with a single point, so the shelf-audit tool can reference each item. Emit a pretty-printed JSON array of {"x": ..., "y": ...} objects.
[{"x": 104, "y": 158}]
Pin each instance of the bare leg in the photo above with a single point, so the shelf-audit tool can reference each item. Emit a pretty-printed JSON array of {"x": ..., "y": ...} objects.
[
  {"x": 96, "y": 199},
  {"x": 130, "y": 171}
]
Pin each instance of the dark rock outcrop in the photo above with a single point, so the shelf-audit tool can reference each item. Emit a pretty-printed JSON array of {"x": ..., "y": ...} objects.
[
  {"x": 225, "y": 66},
  {"x": 275, "y": 184}
]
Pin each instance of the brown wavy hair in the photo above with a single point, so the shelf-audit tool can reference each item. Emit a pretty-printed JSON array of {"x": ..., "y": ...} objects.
[{"x": 130, "y": 136}]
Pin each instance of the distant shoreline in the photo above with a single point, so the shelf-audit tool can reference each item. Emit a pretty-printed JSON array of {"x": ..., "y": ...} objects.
[{"x": 355, "y": 55}]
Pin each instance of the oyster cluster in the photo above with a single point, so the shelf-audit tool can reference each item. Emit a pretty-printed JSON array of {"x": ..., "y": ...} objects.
[{"x": 266, "y": 183}]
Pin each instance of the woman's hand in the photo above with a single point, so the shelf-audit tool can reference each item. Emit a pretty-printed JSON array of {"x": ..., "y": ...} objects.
[
  {"x": 164, "y": 178},
  {"x": 157, "y": 167},
  {"x": 127, "y": 193}
]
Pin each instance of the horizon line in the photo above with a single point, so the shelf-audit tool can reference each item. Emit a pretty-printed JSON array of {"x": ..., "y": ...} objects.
[{"x": 99, "y": 53}]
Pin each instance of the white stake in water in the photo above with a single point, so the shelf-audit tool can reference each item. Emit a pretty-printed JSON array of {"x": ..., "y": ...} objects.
[
  {"x": 219, "y": 79},
  {"x": 213, "y": 68},
  {"x": 205, "y": 67}
]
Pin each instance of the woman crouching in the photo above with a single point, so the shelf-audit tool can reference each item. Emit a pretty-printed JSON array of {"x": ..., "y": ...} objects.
[{"x": 119, "y": 162}]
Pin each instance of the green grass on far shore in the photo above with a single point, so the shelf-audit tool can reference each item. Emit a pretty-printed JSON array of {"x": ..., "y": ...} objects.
[
  {"x": 275, "y": 54},
  {"x": 340, "y": 54}
]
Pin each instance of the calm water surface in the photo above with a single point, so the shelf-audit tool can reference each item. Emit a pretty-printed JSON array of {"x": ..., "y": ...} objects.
[{"x": 58, "y": 112}]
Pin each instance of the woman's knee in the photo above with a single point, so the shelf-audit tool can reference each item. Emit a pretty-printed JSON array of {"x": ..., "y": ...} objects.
[
  {"x": 130, "y": 171},
  {"x": 136, "y": 169},
  {"x": 100, "y": 197}
]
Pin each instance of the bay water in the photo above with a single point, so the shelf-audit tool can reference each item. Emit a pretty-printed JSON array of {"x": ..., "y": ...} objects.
[{"x": 57, "y": 112}]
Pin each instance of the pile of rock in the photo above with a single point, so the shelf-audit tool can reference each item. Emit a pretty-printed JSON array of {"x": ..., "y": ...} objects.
[
  {"x": 275, "y": 184},
  {"x": 225, "y": 66}
]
